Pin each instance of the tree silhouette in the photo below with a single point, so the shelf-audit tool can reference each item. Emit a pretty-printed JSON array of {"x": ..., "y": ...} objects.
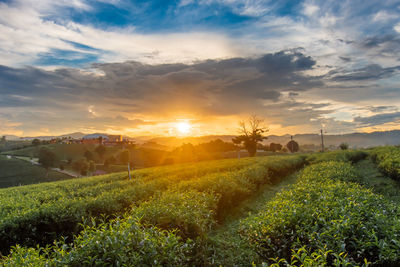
[
  {"x": 101, "y": 150},
  {"x": 344, "y": 146},
  {"x": 47, "y": 159},
  {"x": 275, "y": 147},
  {"x": 293, "y": 146},
  {"x": 251, "y": 133}
]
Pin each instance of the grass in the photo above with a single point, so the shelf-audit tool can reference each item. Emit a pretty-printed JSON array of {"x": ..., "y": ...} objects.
[
  {"x": 371, "y": 177},
  {"x": 228, "y": 248},
  {"x": 15, "y": 172}
]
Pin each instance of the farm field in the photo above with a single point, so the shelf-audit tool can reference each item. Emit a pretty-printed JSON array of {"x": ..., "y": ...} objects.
[
  {"x": 15, "y": 172},
  {"x": 312, "y": 210}
]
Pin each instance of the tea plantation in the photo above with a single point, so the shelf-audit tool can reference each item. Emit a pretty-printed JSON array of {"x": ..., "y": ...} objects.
[{"x": 325, "y": 213}]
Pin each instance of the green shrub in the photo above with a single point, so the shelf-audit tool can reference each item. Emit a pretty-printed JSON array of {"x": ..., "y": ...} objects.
[
  {"x": 119, "y": 243},
  {"x": 191, "y": 212},
  {"x": 340, "y": 155},
  {"x": 38, "y": 214},
  {"x": 189, "y": 206},
  {"x": 388, "y": 160},
  {"x": 339, "y": 221}
]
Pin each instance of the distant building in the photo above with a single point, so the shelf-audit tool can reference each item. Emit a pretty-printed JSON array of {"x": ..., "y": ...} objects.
[{"x": 115, "y": 138}]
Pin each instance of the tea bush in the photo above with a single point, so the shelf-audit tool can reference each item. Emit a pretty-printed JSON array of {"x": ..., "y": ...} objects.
[
  {"x": 119, "y": 243},
  {"x": 38, "y": 214},
  {"x": 189, "y": 207},
  {"x": 325, "y": 220},
  {"x": 388, "y": 160},
  {"x": 338, "y": 155}
]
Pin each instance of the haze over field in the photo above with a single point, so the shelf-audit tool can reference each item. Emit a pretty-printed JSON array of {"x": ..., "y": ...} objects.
[{"x": 193, "y": 68}]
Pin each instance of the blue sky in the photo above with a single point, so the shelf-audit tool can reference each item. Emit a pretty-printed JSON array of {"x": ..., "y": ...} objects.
[{"x": 299, "y": 64}]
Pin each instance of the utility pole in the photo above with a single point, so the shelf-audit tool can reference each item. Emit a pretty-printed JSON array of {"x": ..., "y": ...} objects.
[{"x": 322, "y": 141}]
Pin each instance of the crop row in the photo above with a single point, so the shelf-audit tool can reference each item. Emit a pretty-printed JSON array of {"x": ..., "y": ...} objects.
[
  {"x": 388, "y": 160},
  {"x": 186, "y": 211},
  {"x": 38, "y": 214},
  {"x": 326, "y": 220}
]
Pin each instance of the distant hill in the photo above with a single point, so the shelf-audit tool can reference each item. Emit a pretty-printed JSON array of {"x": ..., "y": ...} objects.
[
  {"x": 354, "y": 139},
  {"x": 76, "y": 135}
]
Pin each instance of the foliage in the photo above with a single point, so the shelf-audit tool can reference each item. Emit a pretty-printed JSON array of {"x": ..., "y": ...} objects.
[
  {"x": 81, "y": 166},
  {"x": 344, "y": 146},
  {"x": 125, "y": 157},
  {"x": 35, "y": 142},
  {"x": 338, "y": 155},
  {"x": 275, "y": 147},
  {"x": 323, "y": 220},
  {"x": 293, "y": 146},
  {"x": 388, "y": 160},
  {"x": 251, "y": 137},
  {"x": 101, "y": 151},
  {"x": 119, "y": 243},
  {"x": 65, "y": 207},
  {"x": 191, "y": 212},
  {"x": 88, "y": 155},
  {"x": 38, "y": 214},
  {"x": 47, "y": 158}
]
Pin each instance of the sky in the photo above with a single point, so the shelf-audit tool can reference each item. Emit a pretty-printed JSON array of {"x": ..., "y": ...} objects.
[{"x": 142, "y": 67}]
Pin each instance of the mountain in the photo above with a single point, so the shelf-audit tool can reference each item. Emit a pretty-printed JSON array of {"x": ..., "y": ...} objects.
[
  {"x": 360, "y": 140},
  {"x": 354, "y": 139}
]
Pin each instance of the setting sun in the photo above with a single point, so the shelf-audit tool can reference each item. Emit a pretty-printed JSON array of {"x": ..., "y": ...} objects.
[{"x": 183, "y": 127}]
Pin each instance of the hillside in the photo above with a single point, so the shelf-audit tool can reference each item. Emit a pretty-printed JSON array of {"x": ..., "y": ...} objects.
[
  {"x": 198, "y": 214},
  {"x": 15, "y": 172}
]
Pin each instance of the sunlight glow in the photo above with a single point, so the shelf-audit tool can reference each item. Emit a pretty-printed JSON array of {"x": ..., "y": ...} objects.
[{"x": 183, "y": 127}]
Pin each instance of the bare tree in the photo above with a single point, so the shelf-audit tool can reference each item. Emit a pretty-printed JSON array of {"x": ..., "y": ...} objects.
[{"x": 251, "y": 132}]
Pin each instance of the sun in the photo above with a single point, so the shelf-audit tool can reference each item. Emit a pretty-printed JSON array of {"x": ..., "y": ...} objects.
[{"x": 183, "y": 127}]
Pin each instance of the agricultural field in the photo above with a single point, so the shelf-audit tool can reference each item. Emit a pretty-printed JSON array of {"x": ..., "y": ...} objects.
[
  {"x": 62, "y": 151},
  {"x": 310, "y": 210},
  {"x": 15, "y": 172}
]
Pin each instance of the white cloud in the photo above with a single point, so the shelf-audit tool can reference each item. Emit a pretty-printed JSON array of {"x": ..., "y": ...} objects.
[
  {"x": 310, "y": 9},
  {"x": 383, "y": 16},
  {"x": 397, "y": 27},
  {"x": 24, "y": 34}
]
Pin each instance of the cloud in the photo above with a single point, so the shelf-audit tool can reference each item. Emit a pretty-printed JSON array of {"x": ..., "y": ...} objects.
[
  {"x": 370, "y": 72},
  {"x": 136, "y": 90},
  {"x": 378, "y": 119}
]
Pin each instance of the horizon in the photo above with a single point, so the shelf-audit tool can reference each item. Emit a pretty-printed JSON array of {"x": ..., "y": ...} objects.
[
  {"x": 199, "y": 136},
  {"x": 196, "y": 68}
]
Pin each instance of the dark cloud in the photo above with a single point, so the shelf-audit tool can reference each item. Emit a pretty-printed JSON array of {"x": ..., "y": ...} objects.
[
  {"x": 345, "y": 59},
  {"x": 378, "y": 119},
  {"x": 370, "y": 72},
  {"x": 111, "y": 95},
  {"x": 100, "y": 94}
]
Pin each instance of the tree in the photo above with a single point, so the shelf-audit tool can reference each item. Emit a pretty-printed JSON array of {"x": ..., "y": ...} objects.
[
  {"x": 47, "y": 159},
  {"x": 109, "y": 161},
  {"x": 101, "y": 150},
  {"x": 344, "y": 146},
  {"x": 275, "y": 147},
  {"x": 92, "y": 166},
  {"x": 3, "y": 139},
  {"x": 251, "y": 134},
  {"x": 81, "y": 166},
  {"x": 88, "y": 155},
  {"x": 293, "y": 146},
  {"x": 35, "y": 142}
]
